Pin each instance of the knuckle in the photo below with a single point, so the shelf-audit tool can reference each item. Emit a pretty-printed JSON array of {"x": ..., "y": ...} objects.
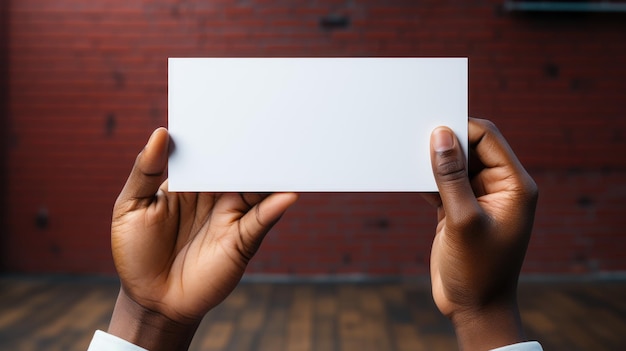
[
  {"x": 450, "y": 168},
  {"x": 530, "y": 190},
  {"x": 469, "y": 221},
  {"x": 485, "y": 126},
  {"x": 489, "y": 127},
  {"x": 525, "y": 186}
]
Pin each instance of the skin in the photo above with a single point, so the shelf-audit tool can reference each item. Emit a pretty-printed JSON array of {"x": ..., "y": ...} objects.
[
  {"x": 180, "y": 254},
  {"x": 485, "y": 217}
]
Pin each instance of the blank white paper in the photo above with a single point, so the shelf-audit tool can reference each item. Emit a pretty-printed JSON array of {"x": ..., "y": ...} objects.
[{"x": 311, "y": 124}]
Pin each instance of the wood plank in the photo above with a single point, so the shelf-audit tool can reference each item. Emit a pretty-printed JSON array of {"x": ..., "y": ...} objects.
[{"x": 51, "y": 314}]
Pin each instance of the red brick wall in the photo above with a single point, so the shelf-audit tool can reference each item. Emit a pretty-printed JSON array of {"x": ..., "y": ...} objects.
[
  {"x": 88, "y": 84},
  {"x": 4, "y": 96}
]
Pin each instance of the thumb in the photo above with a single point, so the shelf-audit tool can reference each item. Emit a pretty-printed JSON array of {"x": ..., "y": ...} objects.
[
  {"x": 147, "y": 173},
  {"x": 450, "y": 171}
]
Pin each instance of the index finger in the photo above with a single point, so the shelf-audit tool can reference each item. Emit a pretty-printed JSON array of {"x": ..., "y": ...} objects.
[
  {"x": 490, "y": 146},
  {"x": 499, "y": 162}
]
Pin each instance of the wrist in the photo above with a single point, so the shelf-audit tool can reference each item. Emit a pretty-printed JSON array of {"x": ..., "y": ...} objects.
[
  {"x": 148, "y": 329},
  {"x": 488, "y": 327}
]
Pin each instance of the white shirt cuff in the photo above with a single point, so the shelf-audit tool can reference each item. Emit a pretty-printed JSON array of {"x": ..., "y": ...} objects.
[
  {"x": 522, "y": 346},
  {"x": 106, "y": 342}
]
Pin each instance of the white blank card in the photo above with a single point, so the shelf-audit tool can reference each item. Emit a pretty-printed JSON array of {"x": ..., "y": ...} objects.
[{"x": 310, "y": 124}]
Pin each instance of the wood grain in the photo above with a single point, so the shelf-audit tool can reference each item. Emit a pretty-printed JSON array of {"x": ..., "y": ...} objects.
[{"x": 52, "y": 313}]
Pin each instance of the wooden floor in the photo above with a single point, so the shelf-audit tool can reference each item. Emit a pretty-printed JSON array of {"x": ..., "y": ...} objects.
[{"x": 62, "y": 313}]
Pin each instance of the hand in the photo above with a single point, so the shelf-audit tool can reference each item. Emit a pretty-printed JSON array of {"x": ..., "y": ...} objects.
[
  {"x": 180, "y": 254},
  {"x": 485, "y": 218}
]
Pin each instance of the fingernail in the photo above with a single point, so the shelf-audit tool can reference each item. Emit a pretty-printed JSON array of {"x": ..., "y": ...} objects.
[
  {"x": 152, "y": 136},
  {"x": 442, "y": 140}
]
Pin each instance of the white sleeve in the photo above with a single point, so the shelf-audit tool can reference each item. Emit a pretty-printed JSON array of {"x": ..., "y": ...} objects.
[
  {"x": 106, "y": 342},
  {"x": 522, "y": 346}
]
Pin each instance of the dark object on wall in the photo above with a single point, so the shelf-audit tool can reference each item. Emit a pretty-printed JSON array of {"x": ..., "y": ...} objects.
[
  {"x": 331, "y": 22},
  {"x": 110, "y": 124},
  {"x": 566, "y": 6},
  {"x": 42, "y": 219}
]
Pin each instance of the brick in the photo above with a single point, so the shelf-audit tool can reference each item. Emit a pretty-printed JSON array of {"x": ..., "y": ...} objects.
[{"x": 555, "y": 89}]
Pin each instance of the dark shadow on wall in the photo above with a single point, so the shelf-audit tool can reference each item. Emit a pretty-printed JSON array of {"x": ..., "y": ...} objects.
[{"x": 4, "y": 111}]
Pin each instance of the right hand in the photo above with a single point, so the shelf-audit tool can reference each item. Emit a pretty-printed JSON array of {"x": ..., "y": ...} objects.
[{"x": 485, "y": 218}]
